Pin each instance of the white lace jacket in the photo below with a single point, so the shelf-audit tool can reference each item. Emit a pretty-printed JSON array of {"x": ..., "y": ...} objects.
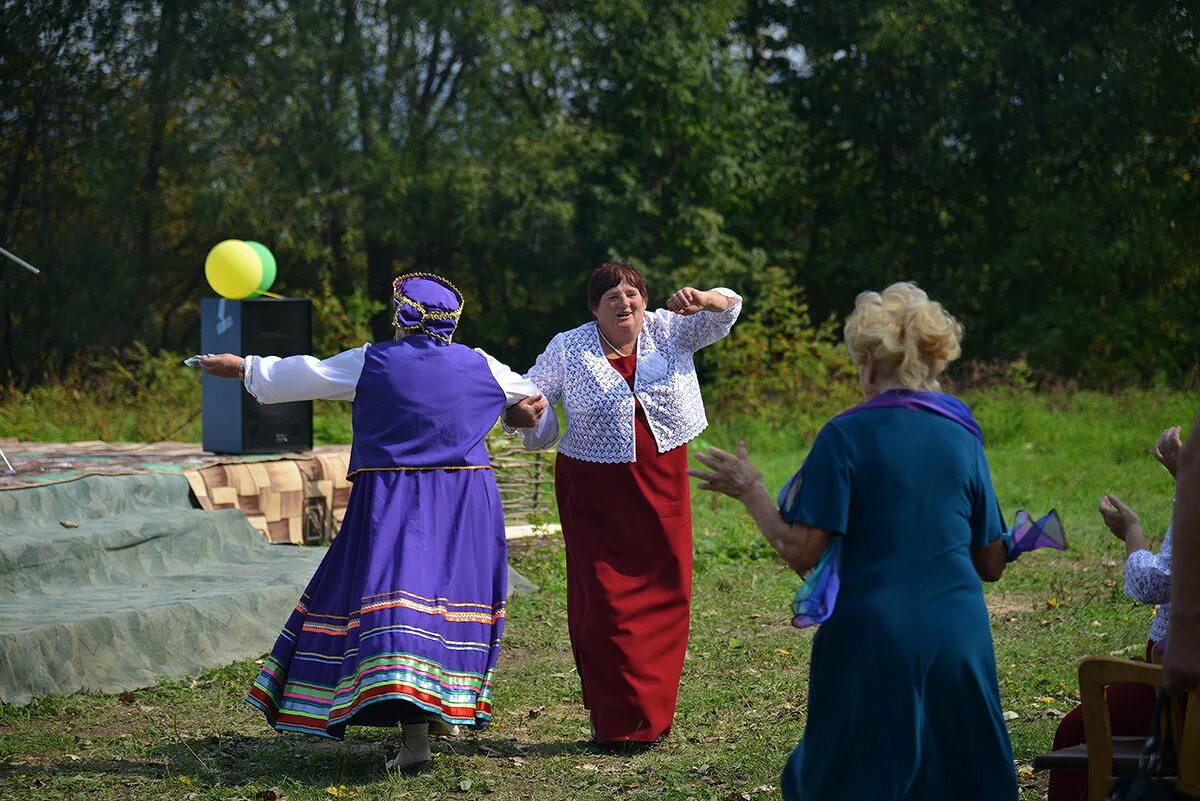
[{"x": 599, "y": 406}]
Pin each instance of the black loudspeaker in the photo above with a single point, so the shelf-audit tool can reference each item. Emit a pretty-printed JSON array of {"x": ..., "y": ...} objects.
[{"x": 233, "y": 421}]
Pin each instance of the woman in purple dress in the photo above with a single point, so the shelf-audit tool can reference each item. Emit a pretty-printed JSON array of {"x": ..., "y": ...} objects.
[{"x": 403, "y": 618}]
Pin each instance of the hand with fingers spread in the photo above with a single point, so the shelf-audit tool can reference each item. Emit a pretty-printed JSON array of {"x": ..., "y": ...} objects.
[
  {"x": 730, "y": 475},
  {"x": 799, "y": 545},
  {"x": 1167, "y": 448},
  {"x": 1118, "y": 516},
  {"x": 526, "y": 412}
]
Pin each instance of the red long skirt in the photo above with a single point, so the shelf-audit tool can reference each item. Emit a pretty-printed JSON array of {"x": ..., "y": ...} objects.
[{"x": 628, "y": 532}]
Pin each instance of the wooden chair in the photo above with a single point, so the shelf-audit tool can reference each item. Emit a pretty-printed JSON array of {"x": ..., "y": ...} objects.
[{"x": 1105, "y": 757}]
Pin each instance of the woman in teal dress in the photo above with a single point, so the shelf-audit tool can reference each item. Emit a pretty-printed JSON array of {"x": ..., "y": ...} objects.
[{"x": 903, "y": 700}]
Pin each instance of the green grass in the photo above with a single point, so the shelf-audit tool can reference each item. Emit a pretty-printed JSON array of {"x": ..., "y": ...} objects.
[
  {"x": 741, "y": 704},
  {"x": 68, "y": 414}
]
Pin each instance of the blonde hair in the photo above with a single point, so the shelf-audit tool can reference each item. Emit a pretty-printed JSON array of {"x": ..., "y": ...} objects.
[{"x": 910, "y": 336}]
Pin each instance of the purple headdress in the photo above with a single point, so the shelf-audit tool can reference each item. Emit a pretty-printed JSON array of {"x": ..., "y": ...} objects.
[{"x": 427, "y": 304}]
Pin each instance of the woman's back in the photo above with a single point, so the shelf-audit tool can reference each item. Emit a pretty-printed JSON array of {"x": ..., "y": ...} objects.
[
  {"x": 422, "y": 403},
  {"x": 904, "y": 665},
  {"x": 919, "y": 496}
]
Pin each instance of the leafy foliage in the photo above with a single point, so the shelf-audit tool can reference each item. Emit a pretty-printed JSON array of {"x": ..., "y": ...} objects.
[
  {"x": 776, "y": 361},
  {"x": 1032, "y": 167}
]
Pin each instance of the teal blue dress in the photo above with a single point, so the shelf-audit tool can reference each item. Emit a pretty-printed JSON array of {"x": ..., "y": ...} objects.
[{"x": 903, "y": 700}]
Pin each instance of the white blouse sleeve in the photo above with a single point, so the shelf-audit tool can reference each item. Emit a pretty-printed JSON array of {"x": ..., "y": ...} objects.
[
  {"x": 271, "y": 379},
  {"x": 516, "y": 387},
  {"x": 546, "y": 375},
  {"x": 699, "y": 330},
  {"x": 1148, "y": 575}
]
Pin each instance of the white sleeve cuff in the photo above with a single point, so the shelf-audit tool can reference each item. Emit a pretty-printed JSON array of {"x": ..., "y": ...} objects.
[
  {"x": 248, "y": 375},
  {"x": 543, "y": 435}
]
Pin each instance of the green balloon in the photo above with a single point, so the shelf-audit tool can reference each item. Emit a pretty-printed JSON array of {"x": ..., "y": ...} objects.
[{"x": 268, "y": 265}]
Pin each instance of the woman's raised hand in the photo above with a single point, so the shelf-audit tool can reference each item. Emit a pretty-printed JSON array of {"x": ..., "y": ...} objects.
[
  {"x": 688, "y": 301},
  {"x": 1166, "y": 450},
  {"x": 730, "y": 475},
  {"x": 1119, "y": 518}
]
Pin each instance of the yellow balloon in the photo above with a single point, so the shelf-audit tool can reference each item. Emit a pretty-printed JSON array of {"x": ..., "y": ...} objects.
[{"x": 233, "y": 269}]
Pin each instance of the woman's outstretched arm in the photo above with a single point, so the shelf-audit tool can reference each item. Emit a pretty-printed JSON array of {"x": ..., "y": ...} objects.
[
  {"x": 271, "y": 379},
  {"x": 799, "y": 545}
]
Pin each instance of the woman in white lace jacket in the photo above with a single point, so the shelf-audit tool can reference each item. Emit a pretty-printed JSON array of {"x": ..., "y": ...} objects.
[{"x": 628, "y": 385}]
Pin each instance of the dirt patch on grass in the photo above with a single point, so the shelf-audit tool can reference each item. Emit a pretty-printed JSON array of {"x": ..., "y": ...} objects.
[{"x": 1001, "y": 605}]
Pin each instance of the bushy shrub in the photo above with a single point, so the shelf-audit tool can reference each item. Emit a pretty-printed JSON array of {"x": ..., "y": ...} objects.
[
  {"x": 776, "y": 361},
  {"x": 126, "y": 395},
  {"x": 340, "y": 323}
]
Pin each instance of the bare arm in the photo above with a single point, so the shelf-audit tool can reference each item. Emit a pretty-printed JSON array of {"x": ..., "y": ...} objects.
[
  {"x": 1124, "y": 524},
  {"x": 799, "y": 545},
  {"x": 989, "y": 545},
  {"x": 1181, "y": 663},
  {"x": 1147, "y": 575},
  {"x": 990, "y": 560}
]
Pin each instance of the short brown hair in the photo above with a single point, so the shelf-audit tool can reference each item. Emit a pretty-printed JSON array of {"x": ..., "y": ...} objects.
[{"x": 610, "y": 274}]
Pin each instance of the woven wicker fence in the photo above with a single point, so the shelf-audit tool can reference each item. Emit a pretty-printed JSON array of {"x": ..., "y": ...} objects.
[
  {"x": 303, "y": 500},
  {"x": 525, "y": 479}
]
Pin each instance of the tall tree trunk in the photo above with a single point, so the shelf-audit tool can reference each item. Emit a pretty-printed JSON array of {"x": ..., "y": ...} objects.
[
  {"x": 17, "y": 177},
  {"x": 9, "y": 218},
  {"x": 341, "y": 279},
  {"x": 7, "y": 366}
]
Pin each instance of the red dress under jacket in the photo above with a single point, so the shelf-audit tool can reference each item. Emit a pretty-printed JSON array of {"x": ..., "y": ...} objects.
[{"x": 628, "y": 532}]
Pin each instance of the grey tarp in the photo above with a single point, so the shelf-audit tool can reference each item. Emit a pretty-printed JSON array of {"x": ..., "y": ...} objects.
[{"x": 145, "y": 586}]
